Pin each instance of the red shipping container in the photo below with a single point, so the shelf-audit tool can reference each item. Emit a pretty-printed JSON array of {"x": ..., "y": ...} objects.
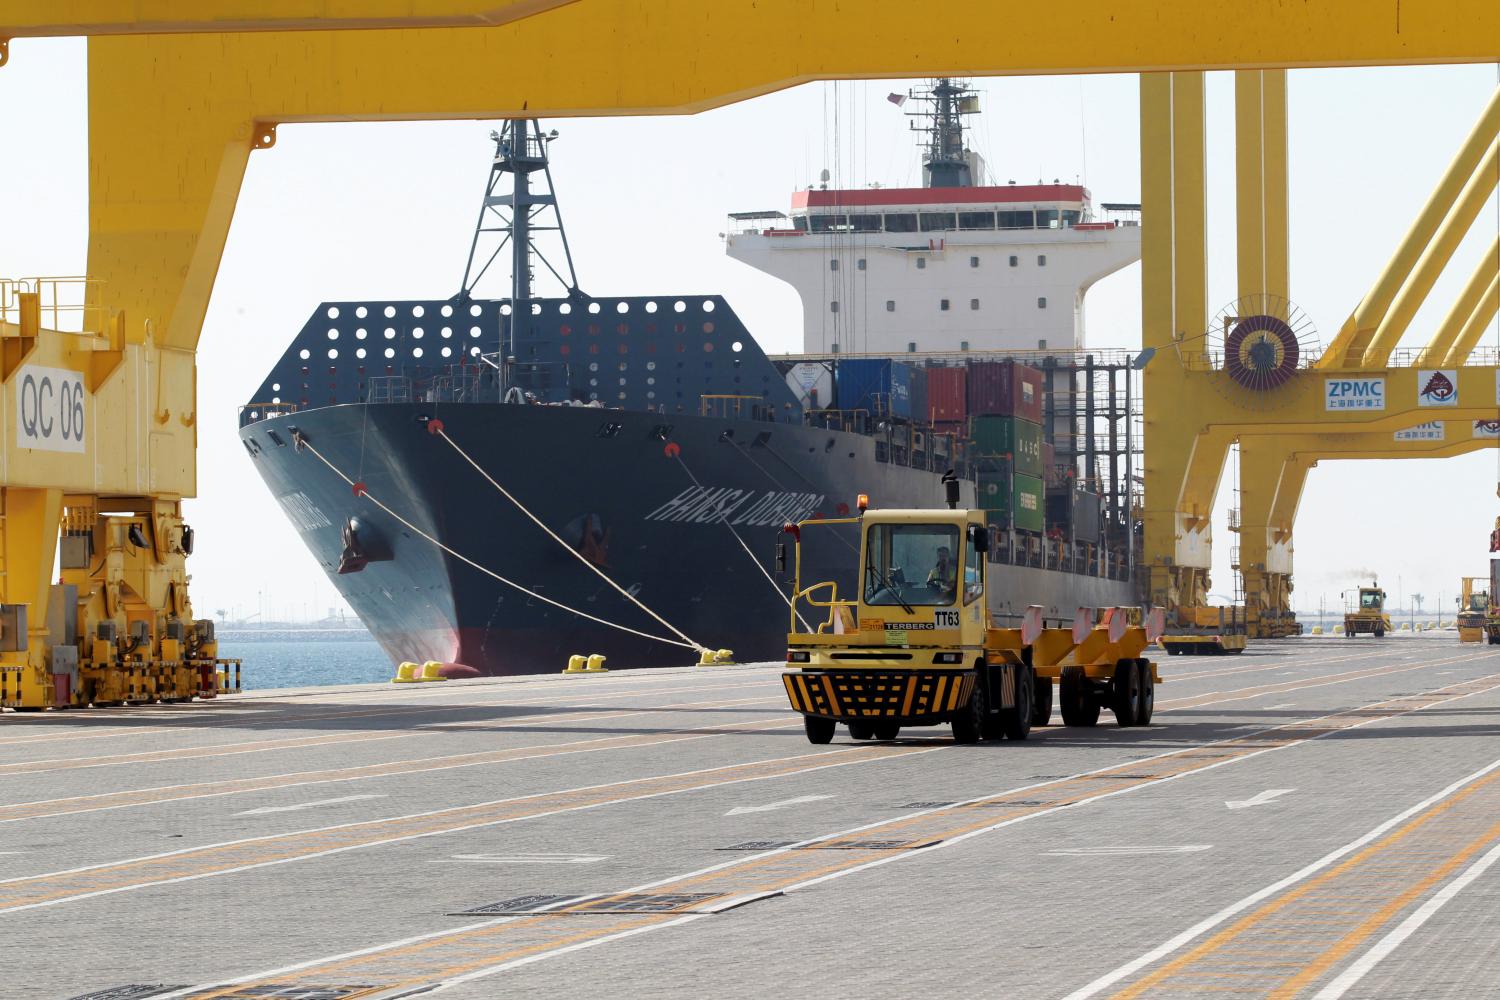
[
  {"x": 947, "y": 396},
  {"x": 1005, "y": 389}
]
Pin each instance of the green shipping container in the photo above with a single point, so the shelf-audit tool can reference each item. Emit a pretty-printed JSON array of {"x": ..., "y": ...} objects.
[
  {"x": 1000, "y": 436},
  {"x": 1019, "y": 496}
]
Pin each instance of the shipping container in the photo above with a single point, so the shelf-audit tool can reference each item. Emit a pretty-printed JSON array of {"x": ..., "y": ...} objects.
[
  {"x": 879, "y": 386},
  {"x": 947, "y": 395},
  {"x": 1005, "y": 388},
  {"x": 919, "y": 396},
  {"x": 1019, "y": 497},
  {"x": 812, "y": 383},
  {"x": 1008, "y": 437}
]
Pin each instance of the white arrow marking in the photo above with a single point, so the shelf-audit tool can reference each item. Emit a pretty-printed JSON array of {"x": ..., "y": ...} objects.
[
  {"x": 265, "y": 810},
  {"x": 1269, "y": 795},
  {"x": 741, "y": 810}
]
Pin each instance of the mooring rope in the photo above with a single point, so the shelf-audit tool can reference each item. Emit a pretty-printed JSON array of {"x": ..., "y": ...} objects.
[
  {"x": 442, "y": 433},
  {"x": 724, "y": 519},
  {"x": 361, "y": 490}
]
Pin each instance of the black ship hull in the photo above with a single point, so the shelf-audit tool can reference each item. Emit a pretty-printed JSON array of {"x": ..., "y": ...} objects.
[{"x": 666, "y": 506}]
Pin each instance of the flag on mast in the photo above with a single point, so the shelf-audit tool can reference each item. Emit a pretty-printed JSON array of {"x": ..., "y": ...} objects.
[{"x": 897, "y": 99}]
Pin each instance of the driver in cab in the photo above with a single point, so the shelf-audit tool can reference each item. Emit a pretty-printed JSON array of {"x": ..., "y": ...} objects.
[{"x": 943, "y": 577}]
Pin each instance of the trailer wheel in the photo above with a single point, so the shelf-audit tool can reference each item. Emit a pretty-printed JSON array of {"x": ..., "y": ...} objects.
[
  {"x": 1015, "y": 723},
  {"x": 1041, "y": 700},
  {"x": 1075, "y": 699},
  {"x": 887, "y": 731},
  {"x": 1125, "y": 693},
  {"x": 861, "y": 730},
  {"x": 1147, "y": 703},
  {"x": 968, "y": 722},
  {"x": 819, "y": 731}
]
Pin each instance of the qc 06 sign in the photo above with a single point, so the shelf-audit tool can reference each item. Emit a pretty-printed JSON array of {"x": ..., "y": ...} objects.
[{"x": 51, "y": 409}]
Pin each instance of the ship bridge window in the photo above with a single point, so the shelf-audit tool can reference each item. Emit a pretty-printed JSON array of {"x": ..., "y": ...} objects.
[
  {"x": 1070, "y": 218},
  {"x": 859, "y": 265},
  {"x": 828, "y": 223},
  {"x": 800, "y": 223},
  {"x": 833, "y": 306},
  {"x": 833, "y": 265},
  {"x": 976, "y": 220},
  {"x": 1041, "y": 260},
  {"x": 921, "y": 263},
  {"x": 901, "y": 222},
  {"x": 864, "y": 223},
  {"x": 1015, "y": 261},
  {"x": 943, "y": 305},
  {"x": 936, "y": 222},
  {"x": 1018, "y": 220},
  {"x": 890, "y": 305},
  {"x": 1046, "y": 219}
]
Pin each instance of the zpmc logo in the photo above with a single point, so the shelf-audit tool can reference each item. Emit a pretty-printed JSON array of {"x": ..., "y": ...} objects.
[{"x": 1437, "y": 388}]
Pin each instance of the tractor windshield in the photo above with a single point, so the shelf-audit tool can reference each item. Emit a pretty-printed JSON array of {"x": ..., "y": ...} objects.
[
  {"x": 1370, "y": 600},
  {"x": 911, "y": 564}
]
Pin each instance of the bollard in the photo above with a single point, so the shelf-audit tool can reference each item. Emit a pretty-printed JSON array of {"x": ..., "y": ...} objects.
[
  {"x": 576, "y": 664},
  {"x": 596, "y": 664},
  {"x": 1317, "y": 630},
  {"x": 406, "y": 673},
  {"x": 432, "y": 670}
]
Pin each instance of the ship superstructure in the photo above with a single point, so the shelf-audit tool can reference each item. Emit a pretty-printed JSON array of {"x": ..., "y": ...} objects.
[{"x": 954, "y": 265}]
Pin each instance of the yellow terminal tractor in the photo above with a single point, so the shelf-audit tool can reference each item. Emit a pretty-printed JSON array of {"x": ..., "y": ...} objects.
[
  {"x": 1473, "y": 610},
  {"x": 1366, "y": 613},
  {"x": 914, "y": 646}
]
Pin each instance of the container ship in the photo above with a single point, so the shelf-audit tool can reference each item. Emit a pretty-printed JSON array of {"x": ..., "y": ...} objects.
[{"x": 496, "y": 484}]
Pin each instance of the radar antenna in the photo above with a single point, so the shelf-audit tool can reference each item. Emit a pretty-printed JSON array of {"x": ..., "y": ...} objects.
[{"x": 946, "y": 159}]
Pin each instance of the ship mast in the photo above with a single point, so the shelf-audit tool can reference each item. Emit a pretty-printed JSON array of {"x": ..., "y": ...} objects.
[
  {"x": 516, "y": 217},
  {"x": 946, "y": 160}
]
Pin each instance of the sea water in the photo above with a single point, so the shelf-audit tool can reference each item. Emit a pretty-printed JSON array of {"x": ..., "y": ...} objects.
[{"x": 278, "y": 658}]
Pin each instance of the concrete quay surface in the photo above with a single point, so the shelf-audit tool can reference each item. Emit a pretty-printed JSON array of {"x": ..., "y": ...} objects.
[{"x": 1318, "y": 817}]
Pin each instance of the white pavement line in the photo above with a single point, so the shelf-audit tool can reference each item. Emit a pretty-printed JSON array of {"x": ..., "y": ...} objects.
[
  {"x": 78, "y": 897},
  {"x": 1293, "y": 704},
  {"x": 582, "y": 745},
  {"x": 267, "y": 810},
  {"x": 1346, "y": 979},
  {"x": 520, "y": 859},
  {"x": 1124, "y": 851},
  {"x": 772, "y": 806},
  {"x": 1204, "y": 926},
  {"x": 541, "y": 956},
  {"x": 1264, "y": 798}
]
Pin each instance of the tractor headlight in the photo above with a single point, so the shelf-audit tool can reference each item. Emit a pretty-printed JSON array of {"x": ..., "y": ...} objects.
[
  {"x": 948, "y": 658},
  {"x": 798, "y": 656}
]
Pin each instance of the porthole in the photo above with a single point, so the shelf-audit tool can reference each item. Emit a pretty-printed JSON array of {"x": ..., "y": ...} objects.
[
  {"x": 447, "y": 351},
  {"x": 275, "y": 399},
  {"x": 536, "y": 309},
  {"x": 565, "y": 308},
  {"x": 361, "y": 333},
  {"x": 708, "y": 305},
  {"x": 390, "y": 311},
  {"x": 593, "y": 366},
  {"x": 474, "y": 310},
  {"x": 333, "y": 334},
  {"x": 651, "y": 366},
  {"x": 736, "y": 347},
  {"x": 505, "y": 309},
  {"x": 446, "y": 310},
  {"x": 417, "y": 311},
  {"x": 304, "y": 354},
  {"x": 474, "y": 331},
  {"x": 416, "y": 352},
  {"x": 622, "y": 307},
  {"x": 361, "y": 312},
  {"x": 708, "y": 328},
  {"x": 447, "y": 332},
  {"x": 473, "y": 352},
  {"x": 594, "y": 307},
  {"x": 651, "y": 307},
  {"x": 359, "y": 352},
  {"x": 275, "y": 386},
  {"x": 679, "y": 306},
  {"x": 390, "y": 352},
  {"x": 333, "y": 312},
  {"x": 333, "y": 353},
  {"x": 390, "y": 333},
  {"x": 416, "y": 332}
]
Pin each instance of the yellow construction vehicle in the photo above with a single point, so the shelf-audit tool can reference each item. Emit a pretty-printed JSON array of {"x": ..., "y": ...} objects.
[
  {"x": 1366, "y": 612},
  {"x": 1473, "y": 609},
  {"x": 915, "y": 646}
]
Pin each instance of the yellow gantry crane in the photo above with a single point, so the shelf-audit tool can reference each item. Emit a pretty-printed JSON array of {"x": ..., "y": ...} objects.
[{"x": 182, "y": 93}]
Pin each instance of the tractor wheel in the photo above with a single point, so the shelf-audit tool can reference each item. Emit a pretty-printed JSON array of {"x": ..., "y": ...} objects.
[
  {"x": 1125, "y": 692},
  {"x": 1147, "y": 703},
  {"x": 1041, "y": 700},
  {"x": 819, "y": 731},
  {"x": 1379, "y": 632},
  {"x": 1075, "y": 699},
  {"x": 861, "y": 731},
  {"x": 968, "y": 722},
  {"x": 1016, "y": 722},
  {"x": 887, "y": 731}
]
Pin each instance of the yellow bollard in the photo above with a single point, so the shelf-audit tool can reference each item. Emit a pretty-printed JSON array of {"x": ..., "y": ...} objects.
[
  {"x": 1317, "y": 630},
  {"x": 1338, "y": 630},
  {"x": 596, "y": 664},
  {"x": 575, "y": 664},
  {"x": 724, "y": 656},
  {"x": 406, "y": 673},
  {"x": 432, "y": 670}
]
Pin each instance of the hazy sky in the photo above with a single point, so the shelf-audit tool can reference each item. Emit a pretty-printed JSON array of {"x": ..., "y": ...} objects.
[{"x": 386, "y": 210}]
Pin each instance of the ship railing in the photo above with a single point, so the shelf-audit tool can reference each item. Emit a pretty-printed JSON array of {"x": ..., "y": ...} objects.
[
  {"x": 454, "y": 387},
  {"x": 1416, "y": 357},
  {"x": 732, "y": 406},
  {"x": 68, "y": 304},
  {"x": 252, "y": 413},
  {"x": 854, "y": 421},
  {"x": 390, "y": 389}
]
